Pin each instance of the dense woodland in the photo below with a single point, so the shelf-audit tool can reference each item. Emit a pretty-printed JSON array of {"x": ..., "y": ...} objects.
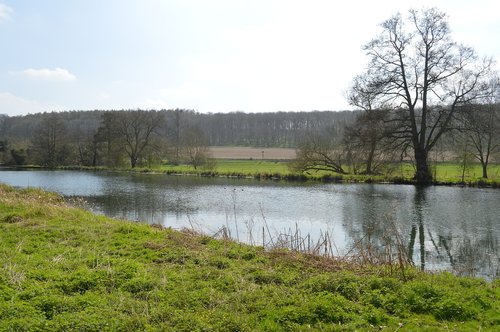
[
  {"x": 349, "y": 141},
  {"x": 135, "y": 137}
]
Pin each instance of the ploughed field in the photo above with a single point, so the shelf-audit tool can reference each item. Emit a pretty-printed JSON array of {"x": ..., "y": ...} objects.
[{"x": 225, "y": 152}]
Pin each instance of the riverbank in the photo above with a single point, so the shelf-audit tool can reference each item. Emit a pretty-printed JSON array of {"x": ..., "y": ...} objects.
[
  {"x": 66, "y": 269},
  {"x": 444, "y": 173}
]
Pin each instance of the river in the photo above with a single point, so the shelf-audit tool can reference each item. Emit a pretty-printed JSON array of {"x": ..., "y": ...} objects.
[{"x": 439, "y": 227}]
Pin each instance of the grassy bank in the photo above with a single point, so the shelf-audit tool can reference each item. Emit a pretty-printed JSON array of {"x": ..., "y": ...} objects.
[
  {"x": 445, "y": 173},
  {"x": 235, "y": 167},
  {"x": 66, "y": 269}
]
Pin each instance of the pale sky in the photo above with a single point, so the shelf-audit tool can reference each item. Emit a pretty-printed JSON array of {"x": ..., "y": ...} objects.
[{"x": 210, "y": 56}]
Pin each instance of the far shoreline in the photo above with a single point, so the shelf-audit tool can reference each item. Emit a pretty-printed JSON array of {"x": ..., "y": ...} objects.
[{"x": 266, "y": 176}]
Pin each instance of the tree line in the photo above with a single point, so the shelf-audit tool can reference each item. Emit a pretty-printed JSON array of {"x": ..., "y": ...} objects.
[
  {"x": 146, "y": 137},
  {"x": 374, "y": 143}
]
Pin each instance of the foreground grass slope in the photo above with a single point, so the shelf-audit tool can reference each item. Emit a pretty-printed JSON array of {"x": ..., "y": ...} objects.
[{"x": 66, "y": 269}]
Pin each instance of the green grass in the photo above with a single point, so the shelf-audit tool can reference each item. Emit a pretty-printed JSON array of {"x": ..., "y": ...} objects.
[
  {"x": 65, "y": 269},
  {"x": 228, "y": 166},
  {"x": 252, "y": 166},
  {"x": 449, "y": 172},
  {"x": 446, "y": 173}
]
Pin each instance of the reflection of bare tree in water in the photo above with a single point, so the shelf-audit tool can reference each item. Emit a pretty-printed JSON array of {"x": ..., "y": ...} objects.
[
  {"x": 377, "y": 238},
  {"x": 419, "y": 203},
  {"x": 471, "y": 255},
  {"x": 443, "y": 242},
  {"x": 434, "y": 239},
  {"x": 418, "y": 226},
  {"x": 138, "y": 199},
  {"x": 478, "y": 256}
]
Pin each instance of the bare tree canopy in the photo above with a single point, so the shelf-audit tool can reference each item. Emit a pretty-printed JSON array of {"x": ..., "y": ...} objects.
[
  {"x": 424, "y": 76},
  {"x": 195, "y": 146},
  {"x": 366, "y": 142},
  {"x": 136, "y": 130},
  {"x": 481, "y": 125},
  {"x": 319, "y": 153},
  {"x": 48, "y": 141}
]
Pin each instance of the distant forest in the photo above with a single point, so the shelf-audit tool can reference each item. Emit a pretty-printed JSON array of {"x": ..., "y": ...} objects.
[{"x": 89, "y": 137}]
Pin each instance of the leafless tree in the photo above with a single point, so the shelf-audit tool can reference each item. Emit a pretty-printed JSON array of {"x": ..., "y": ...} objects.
[
  {"x": 87, "y": 145},
  {"x": 135, "y": 130},
  {"x": 109, "y": 142},
  {"x": 49, "y": 141},
  {"x": 195, "y": 147},
  {"x": 177, "y": 133},
  {"x": 418, "y": 70},
  {"x": 320, "y": 153},
  {"x": 481, "y": 126},
  {"x": 367, "y": 137},
  {"x": 367, "y": 143}
]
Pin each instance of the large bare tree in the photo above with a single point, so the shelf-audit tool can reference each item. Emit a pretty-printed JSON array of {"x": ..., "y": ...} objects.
[
  {"x": 417, "y": 69},
  {"x": 135, "y": 130},
  {"x": 49, "y": 141}
]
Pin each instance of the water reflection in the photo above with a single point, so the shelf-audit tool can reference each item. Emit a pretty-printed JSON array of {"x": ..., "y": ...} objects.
[
  {"x": 142, "y": 199},
  {"x": 468, "y": 250},
  {"x": 418, "y": 222},
  {"x": 437, "y": 228}
]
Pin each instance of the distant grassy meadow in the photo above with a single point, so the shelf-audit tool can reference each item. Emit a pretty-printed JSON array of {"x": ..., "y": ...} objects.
[
  {"x": 445, "y": 173},
  {"x": 277, "y": 164},
  {"x": 65, "y": 269}
]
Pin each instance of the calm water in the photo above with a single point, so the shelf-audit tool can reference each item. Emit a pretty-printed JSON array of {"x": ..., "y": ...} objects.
[{"x": 456, "y": 229}]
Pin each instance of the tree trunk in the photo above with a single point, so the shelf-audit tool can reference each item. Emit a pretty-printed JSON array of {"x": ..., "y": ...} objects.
[
  {"x": 485, "y": 170},
  {"x": 371, "y": 155},
  {"x": 423, "y": 175},
  {"x": 94, "y": 157},
  {"x": 133, "y": 162}
]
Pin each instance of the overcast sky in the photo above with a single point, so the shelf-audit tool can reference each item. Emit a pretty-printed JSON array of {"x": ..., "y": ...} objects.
[{"x": 210, "y": 56}]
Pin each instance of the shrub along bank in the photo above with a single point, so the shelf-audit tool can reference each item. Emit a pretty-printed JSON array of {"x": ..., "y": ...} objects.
[{"x": 63, "y": 268}]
